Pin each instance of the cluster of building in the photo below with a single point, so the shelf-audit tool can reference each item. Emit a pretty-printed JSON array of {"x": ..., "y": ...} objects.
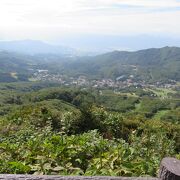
[
  {"x": 44, "y": 75},
  {"x": 120, "y": 82}
]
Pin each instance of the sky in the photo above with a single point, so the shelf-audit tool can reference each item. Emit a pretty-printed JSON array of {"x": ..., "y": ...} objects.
[{"x": 82, "y": 23}]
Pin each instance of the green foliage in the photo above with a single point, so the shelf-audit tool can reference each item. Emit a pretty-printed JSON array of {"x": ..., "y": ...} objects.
[
  {"x": 76, "y": 132},
  {"x": 85, "y": 154},
  {"x": 151, "y": 106}
]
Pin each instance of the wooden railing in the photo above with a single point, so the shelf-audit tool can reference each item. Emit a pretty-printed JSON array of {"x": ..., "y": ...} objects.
[{"x": 169, "y": 170}]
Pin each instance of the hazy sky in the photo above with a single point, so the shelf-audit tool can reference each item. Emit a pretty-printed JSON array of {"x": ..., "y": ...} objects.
[{"x": 56, "y": 19}]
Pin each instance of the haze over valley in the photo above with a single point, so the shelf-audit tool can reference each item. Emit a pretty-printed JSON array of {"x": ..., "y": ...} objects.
[{"x": 38, "y": 61}]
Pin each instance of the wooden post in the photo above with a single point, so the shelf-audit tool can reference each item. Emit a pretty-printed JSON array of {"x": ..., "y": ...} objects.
[{"x": 169, "y": 169}]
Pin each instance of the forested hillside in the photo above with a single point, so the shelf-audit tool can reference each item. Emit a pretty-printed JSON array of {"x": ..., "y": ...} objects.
[
  {"x": 150, "y": 65},
  {"x": 47, "y": 129},
  {"x": 14, "y": 67},
  {"x": 53, "y": 120}
]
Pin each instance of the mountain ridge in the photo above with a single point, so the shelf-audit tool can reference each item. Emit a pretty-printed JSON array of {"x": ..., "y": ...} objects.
[
  {"x": 164, "y": 62},
  {"x": 151, "y": 65},
  {"x": 33, "y": 47}
]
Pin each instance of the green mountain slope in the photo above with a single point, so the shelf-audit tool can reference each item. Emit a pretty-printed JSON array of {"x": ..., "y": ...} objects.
[
  {"x": 14, "y": 67},
  {"x": 151, "y": 64}
]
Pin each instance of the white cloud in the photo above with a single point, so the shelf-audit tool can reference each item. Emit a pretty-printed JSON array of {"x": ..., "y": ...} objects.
[
  {"x": 148, "y": 3},
  {"x": 47, "y": 19}
]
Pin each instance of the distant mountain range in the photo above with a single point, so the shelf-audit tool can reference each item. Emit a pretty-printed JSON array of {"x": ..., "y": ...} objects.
[
  {"x": 151, "y": 65},
  {"x": 33, "y": 47}
]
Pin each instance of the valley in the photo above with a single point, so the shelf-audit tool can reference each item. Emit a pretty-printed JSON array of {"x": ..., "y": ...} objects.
[
  {"x": 90, "y": 89},
  {"x": 96, "y": 115}
]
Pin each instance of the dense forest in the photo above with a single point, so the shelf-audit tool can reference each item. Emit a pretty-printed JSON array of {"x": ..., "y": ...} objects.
[{"x": 46, "y": 128}]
